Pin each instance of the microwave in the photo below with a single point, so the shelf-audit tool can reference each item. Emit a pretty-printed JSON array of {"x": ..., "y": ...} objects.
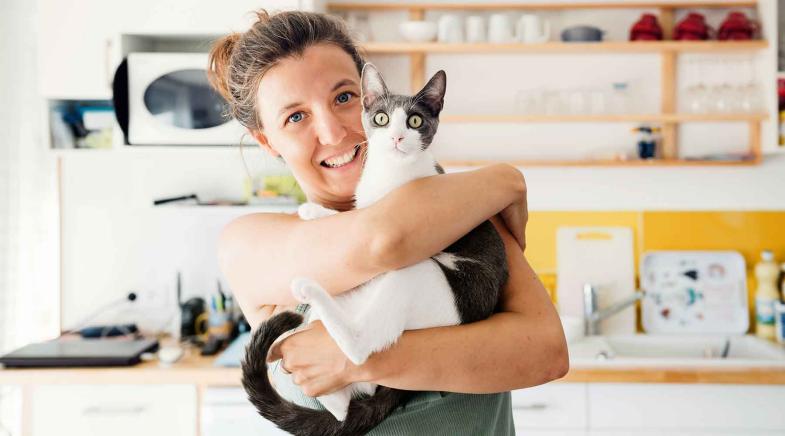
[{"x": 170, "y": 102}]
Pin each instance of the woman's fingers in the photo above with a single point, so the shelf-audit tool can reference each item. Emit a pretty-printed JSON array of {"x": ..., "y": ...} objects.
[
  {"x": 318, "y": 386},
  {"x": 275, "y": 352}
]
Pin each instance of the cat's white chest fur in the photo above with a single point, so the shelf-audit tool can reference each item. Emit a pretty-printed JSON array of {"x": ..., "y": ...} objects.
[
  {"x": 379, "y": 177},
  {"x": 372, "y": 316}
]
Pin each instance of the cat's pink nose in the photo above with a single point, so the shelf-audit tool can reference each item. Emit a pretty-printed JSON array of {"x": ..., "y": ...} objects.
[{"x": 397, "y": 139}]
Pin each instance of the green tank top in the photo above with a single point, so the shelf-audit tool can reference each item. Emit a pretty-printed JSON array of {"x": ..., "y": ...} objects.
[{"x": 426, "y": 413}]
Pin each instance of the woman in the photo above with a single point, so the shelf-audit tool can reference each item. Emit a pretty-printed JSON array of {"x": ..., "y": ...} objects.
[{"x": 293, "y": 80}]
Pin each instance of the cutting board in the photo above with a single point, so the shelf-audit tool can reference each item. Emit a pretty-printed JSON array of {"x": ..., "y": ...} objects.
[
  {"x": 604, "y": 257},
  {"x": 694, "y": 292}
]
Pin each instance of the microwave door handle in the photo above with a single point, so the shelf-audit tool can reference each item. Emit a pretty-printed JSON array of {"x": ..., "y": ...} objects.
[{"x": 108, "y": 62}]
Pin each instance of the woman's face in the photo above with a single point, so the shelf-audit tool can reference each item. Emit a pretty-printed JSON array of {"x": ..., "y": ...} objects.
[{"x": 311, "y": 116}]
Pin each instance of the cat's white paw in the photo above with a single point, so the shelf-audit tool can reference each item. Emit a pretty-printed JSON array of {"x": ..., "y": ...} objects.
[
  {"x": 310, "y": 211},
  {"x": 303, "y": 289}
]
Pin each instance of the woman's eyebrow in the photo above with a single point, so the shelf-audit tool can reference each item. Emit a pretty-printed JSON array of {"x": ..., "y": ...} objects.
[{"x": 338, "y": 85}]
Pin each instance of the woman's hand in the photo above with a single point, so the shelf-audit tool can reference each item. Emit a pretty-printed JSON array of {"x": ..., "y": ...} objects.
[
  {"x": 317, "y": 365},
  {"x": 516, "y": 215}
]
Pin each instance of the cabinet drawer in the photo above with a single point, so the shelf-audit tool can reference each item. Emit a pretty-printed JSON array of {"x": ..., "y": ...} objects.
[
  {"x": 551, "y": 406},
  {"x": 116, "y": 410},
  {"x": 686, "y": 407},
  {"x": 227, "y": 411}
]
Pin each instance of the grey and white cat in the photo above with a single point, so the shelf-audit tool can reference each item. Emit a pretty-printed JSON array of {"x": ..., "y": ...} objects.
[{"x": 459, "y": 285}]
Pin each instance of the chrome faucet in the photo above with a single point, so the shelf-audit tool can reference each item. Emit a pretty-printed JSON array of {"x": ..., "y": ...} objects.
[{"x": 592, "y": 315}]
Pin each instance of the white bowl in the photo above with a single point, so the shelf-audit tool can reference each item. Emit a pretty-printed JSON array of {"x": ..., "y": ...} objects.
[{"x": 418, "y": 31}]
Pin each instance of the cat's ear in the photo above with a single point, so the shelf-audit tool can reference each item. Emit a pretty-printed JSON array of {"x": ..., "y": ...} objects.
[
  {"x": 373, "y": 85},
  {"x": 432, "y": 94}
]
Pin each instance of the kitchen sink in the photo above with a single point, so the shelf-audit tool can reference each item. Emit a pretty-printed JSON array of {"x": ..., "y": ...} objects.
[{"x": 690, "y": 350}]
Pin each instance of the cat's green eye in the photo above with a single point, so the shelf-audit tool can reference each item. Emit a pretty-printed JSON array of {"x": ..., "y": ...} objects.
[
  {"x": 381, "y": 119},
  {"x": 414, "y": 121}
]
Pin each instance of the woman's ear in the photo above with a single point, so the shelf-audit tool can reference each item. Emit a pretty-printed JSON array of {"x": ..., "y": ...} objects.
[{"x": 261, "y": 138}]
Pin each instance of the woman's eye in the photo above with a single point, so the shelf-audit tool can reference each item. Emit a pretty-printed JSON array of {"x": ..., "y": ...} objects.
[
  {"x": 295, "y": 117},
  {"x": 414, "y": 121},
  {"x": 381, "y": 119},
  {"x": 344, "y": 97}
]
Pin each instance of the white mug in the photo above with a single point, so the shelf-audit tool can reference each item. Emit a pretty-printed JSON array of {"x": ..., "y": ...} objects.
[
  {"x": 500, "y": 29},
  {"x": 450, "y": 29},
  {"x": 475, "y": 29},
  {"x": 531, "y": 30}
]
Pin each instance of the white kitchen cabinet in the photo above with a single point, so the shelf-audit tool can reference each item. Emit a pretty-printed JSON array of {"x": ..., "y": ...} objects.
[
  {"x": 682, "y": 433},
  {"x": 672, "y": 408},
  {"x": 556, "y": 432},
  {"x": 226, "y": 411},
  {"x": 79, "y": 39},
  {"x": 75, "y": 43},
  {"x": 117, "y": 410},
  {"x": 555, "y": 407}
]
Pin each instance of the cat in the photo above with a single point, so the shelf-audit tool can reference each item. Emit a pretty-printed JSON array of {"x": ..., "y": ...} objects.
[{"x": 460, "y": 285}]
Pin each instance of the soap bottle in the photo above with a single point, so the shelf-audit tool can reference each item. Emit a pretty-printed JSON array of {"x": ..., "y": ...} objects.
[{"x": 766, "y": 295}]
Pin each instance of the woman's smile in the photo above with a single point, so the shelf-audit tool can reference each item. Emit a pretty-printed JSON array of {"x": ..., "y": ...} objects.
[{"x": 341, "y": 160}]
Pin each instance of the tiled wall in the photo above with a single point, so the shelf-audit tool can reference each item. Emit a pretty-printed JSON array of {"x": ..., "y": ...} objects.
[{"x": 746, "y": 232}]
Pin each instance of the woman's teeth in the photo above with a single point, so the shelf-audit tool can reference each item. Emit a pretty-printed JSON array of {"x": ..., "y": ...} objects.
[{"x": 341, "y": 160}]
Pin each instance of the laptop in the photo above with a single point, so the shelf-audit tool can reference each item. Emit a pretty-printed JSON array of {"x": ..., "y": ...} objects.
[{"x": 80, "y": 352}]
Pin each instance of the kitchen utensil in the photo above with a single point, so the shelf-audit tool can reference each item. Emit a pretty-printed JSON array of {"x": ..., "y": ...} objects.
[
  {"x": 737, "y": 26},
  {"x": 693, "y": 27},
  {"x": 418, "y": 31},
  {"x": 582, "y": 34},
  {"x": 475, "y": 29},
  {"x": 450, "y": 29},
  {"x": 646, "y": 29},
  {"x": 694, "y": 292},
  {"x": 603, "y": 257},
  {"x": 500, "y": 29},
  {"x": 531, "y": 30}
]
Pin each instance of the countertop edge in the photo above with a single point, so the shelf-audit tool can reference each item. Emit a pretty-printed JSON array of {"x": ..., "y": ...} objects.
[{"x": 200, "y": 371}]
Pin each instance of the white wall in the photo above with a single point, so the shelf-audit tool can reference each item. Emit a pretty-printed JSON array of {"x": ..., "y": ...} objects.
[
  {"x": 28, "y": 201},
  {"x": 114, "y": 241}
]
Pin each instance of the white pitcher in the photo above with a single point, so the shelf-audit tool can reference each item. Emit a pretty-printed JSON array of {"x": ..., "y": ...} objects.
[{"x": 531, "y": 30}]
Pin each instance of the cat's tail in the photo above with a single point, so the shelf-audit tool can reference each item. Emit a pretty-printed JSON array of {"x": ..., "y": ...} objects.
[{"x": 364, "y": 413}]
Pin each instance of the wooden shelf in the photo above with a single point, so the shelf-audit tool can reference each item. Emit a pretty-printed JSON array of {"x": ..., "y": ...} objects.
[
  {"x": 604, "y": 163},
  {"x": 668, "y": 4},
  {"x": 668, "y": 51},
  {"x": 610, "y": 118},
  {"x": 565, "y": 47}
]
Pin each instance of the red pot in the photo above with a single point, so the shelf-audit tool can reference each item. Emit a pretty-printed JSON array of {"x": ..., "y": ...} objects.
[
  {"x": 692, "y": 27},
  {"x": 646, "y": 29},
  {"x": 737, "y": 27}
]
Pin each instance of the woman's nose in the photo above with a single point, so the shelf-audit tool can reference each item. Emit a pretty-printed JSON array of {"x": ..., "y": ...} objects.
[{"x": 330, "y": 129}]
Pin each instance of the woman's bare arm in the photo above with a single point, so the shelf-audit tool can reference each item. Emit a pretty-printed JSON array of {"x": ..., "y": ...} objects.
[
  {"x": 261, "y": 253},
  {"x": 520, "y": 347}
]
